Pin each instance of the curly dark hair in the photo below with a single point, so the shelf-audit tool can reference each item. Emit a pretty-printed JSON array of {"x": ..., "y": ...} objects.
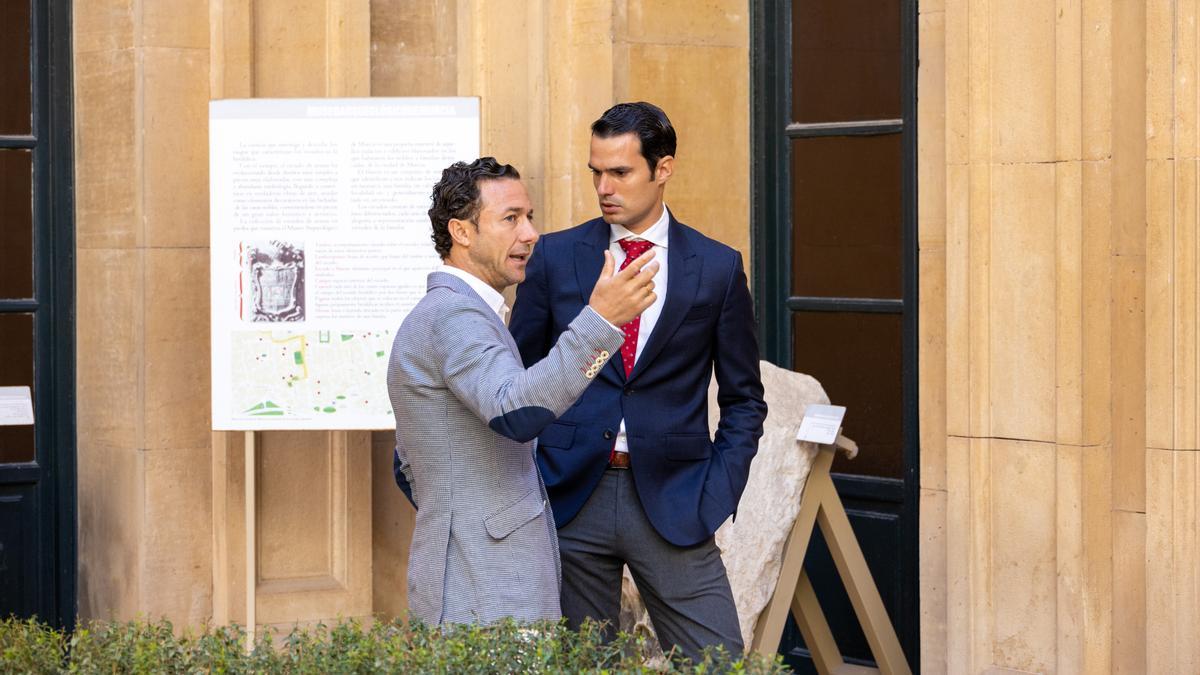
[
  {"x": 456, "y": 195},
  {"x": 646, "y": 121}
]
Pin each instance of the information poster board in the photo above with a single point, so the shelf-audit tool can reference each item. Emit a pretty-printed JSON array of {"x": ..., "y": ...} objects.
[{"x": 320, "y": 246}]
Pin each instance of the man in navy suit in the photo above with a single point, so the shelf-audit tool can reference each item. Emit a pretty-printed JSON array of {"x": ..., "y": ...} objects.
[{"x": 633, "y": 475}]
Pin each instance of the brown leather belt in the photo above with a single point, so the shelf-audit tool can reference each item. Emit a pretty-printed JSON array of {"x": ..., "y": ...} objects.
[{"x": 618, "y": 460}]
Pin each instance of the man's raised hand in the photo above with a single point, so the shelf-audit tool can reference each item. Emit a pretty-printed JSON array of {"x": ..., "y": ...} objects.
[{"x": 624, "y": 295}]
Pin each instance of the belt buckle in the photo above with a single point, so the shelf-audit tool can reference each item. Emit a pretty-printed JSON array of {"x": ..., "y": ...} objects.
[{"x": 619, "y": 460}]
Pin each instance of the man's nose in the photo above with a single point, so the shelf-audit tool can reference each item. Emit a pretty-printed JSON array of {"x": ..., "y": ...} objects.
[
  {"x": 603, "y": 185},
  {"x": 529, "y": 234}
]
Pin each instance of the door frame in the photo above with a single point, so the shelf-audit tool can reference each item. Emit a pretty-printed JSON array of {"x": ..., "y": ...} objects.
[
  {"x": 53, "y": 305},
  {"x": 770, "y": 239}
]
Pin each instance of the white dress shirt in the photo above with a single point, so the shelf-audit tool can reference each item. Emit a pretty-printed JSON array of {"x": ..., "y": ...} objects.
[
  {"x": 489, "y": 294},
  {"x": 657, "y": 235}
]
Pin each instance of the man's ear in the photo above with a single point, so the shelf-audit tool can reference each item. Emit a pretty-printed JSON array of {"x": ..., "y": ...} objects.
[
  {"x": 664, "y": 170},
  {"x": 460, "y": 232}
]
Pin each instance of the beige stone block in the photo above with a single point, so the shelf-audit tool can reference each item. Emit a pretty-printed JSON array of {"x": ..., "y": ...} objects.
[
  {"x": 1129, "y": 128},
  {"x": 107, "y": 173},
  {"x": 349, "y": 59},
  {"x": 1160, "y": 84},
  {"x": 392, "y": 521},
  {"x": 979, "y": 85},
  {"x": 958, "y": 80},
  {"x": 413, "y": 28},
  {"x": 502, "y": 75},
  {"x": 982, "y": 627},
  {"x": 932, "y": 7},
  {"x": 1129, "y": 592},
  {"x": 960, "y": 630},
  {"x": 175, "y": 23},
  {"x": 1185, "y": 116},
  {"x": 1023, "y": 568},
  {"x": 1070, "y": 558},
  {"x": 102, "y": 25},
  {"x": 705, "y": 93},
  {"x": 1068, "y": 67},
  {"x": 175, "y": 146},
  {"x": 1068, "y": 299},
  {"x": 931, "y": 132},
  {"x": 290, "y": 43},
  {"x": 585, "y": 21},
  {"x": 1160, "y": 559},
  {"x": 109, "y": 495},
  {"x": 1160, "y": 310},
  {"x": 557, "y": 213},
  {"x": 1022, "y": 80},
  {"x": 1186, "y": 549},
  {"x": 1129, "y": 382},
  {"x": 933, "y": 581},
  {"x": 177, "y": 576},
  {"x": 958, "y": 306},
  {"x": 1022, "y": 318},
  {"x": 979, "y": 239},
  {"x": 1096, "y": 297},
  {"x": 1096, "y": 110},
  {"x": 110, "y": 347},
  {"x": 177, "y": 346},
  {"x": 932, "y": 360},
  {"x": 1097, "y": 577},
  {"x": 724, "y": 23},
  {"x": 394, "y": 74},
  {"x": 1184, "y": 290},
  {"x": 1172, "y": 562}
]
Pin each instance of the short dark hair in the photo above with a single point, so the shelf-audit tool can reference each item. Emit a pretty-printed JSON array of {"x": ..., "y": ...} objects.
[
  {"x": 456, "y": 195},
  {"x": 645, "y": 120}
]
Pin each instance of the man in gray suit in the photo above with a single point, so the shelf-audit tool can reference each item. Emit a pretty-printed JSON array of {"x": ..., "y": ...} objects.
[{"x": 467, "y": 411}]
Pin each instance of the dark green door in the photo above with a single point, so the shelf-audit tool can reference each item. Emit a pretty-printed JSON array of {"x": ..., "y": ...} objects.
[
  {"x": 37, "y": 483},
  {"x": 836, "y": 268}
]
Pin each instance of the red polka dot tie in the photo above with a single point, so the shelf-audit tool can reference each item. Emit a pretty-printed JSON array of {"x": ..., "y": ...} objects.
[{"x": 633, "y": 248}]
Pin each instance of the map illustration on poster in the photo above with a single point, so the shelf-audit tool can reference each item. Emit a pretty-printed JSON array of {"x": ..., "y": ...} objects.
[{"x": 320, "y": 245}]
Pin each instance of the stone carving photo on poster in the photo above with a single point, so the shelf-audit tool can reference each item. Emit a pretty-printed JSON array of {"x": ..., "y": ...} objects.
[{"x": 272, "y": 284}]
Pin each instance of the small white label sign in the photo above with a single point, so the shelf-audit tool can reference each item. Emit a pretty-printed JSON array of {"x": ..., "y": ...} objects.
[
  {"x": 821, "y": 423},
  {"x": 16, "y": 406}
]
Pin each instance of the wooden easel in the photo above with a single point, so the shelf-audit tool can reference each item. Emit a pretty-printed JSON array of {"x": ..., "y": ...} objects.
[{"x": 820, "y": 505}]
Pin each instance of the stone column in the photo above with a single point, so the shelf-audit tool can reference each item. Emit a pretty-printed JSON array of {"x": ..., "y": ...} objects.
[
  {"x": 145, "y": 526},
  {"x": 1036, "y": 122}
]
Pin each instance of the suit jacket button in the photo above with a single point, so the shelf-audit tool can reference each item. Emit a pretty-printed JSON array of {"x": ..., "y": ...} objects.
[
  {"x": 608, "y": 434},
  {"x": 629, "y": 391}
]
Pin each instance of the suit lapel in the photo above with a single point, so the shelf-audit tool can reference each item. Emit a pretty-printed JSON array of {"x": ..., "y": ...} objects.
[
  {"x": 589, "y": 260},
  {"x": 683, "y": 277}
]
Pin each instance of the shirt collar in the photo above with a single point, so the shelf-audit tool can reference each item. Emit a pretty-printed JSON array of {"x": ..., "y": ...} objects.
[
  {"x": 490, "y": 296},
  {"x": 656, "y": 234}
]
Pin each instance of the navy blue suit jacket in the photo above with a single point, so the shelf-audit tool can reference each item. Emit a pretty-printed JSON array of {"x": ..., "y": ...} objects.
[{"x": 689, "y": 481}]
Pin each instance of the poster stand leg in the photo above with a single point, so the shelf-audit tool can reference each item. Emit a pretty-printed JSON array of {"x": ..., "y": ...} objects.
[
  {"x": 251, "y": 540},
  {"x": 821, "y": 506}
]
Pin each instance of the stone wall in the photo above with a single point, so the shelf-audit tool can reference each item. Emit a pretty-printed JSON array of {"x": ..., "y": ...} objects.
[
  {"x": 162, "y": 526},
  {"x": 1058, "y": 220}
]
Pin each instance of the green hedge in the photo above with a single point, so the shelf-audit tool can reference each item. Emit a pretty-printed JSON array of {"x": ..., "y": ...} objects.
[{"x": 27, "y": 646}]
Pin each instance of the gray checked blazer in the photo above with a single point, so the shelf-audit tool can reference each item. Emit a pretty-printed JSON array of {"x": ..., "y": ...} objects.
[{"x": 467, "y": 416}]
